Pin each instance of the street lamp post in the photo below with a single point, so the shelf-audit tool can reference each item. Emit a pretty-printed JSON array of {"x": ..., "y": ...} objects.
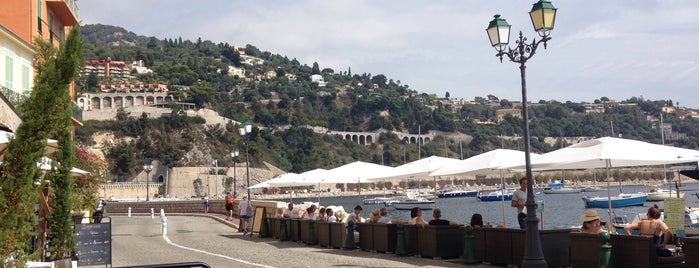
[
  {"x": 245, "y": 128},
  {"x": 234, "y": 155},
  {"x": 543, "y": 16},
  {"x": 148, "y": 167}
]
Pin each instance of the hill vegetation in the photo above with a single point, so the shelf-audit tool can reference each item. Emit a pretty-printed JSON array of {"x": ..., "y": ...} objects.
[{"x": 277, "y": 93}]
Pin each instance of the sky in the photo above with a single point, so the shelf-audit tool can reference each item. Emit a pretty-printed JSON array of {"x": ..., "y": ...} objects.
[{"x": 616, "y": 49}]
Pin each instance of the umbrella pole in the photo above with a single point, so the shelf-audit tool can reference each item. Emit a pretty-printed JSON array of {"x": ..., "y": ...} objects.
[
  {"x": 609, "y": 194},
  {"x": 502, "y": 203}
]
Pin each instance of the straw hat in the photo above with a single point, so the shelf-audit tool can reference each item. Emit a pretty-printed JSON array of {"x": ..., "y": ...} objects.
[{"x": 590, "y": 215}]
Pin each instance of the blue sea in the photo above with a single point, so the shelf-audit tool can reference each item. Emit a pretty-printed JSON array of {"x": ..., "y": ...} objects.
[{"x": 560, "y": 210}]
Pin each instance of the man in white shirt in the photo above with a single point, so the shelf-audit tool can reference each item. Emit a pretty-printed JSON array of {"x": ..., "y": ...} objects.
[
  {"x": 289, "y": 211},
  {"x": 330, "y": 217},
  {"x": 519, "y": 200}
]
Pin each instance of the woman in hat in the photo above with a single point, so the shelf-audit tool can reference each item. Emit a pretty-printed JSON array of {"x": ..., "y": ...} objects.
[{"x": 591, "y": 222}]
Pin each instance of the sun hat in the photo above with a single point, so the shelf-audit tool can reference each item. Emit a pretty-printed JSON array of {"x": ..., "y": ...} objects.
[{"x": 590, "y": 215}]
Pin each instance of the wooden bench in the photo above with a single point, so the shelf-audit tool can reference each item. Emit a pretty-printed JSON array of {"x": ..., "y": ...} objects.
[
  {"x": 585, "y": 250},
  {"x": 323, "y": 231},
  {"x": 275, "y": 228},
  {"x": 479, "y": 243},
  {"x": 412, "y": 241},
  {"x": 385, "y": 237},
  {"x": 639, "y": 252},
  {"x": 691, "y": 245},
  {"x": 293, "y": 229},
  {"x": 338, "y": 235},
  {"x": 303, "y": 231},
  {"x": 441, "y": 242},
  {"x": 555, "y": 244},
  {"x": 498, "y": 246},
  {"x": 366, "y": 236}
]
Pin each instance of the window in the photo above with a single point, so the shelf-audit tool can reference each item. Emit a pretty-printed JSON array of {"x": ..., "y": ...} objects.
[
  {"x": 39, "y": 10},
  {"x": 25, "y": 79},
  {"x": 8, "y": 72}
]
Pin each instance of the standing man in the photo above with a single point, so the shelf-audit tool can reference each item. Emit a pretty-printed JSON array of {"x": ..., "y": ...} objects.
[
  {"x": 229, "y": 206},
  {"x": 519, "y": 200}
]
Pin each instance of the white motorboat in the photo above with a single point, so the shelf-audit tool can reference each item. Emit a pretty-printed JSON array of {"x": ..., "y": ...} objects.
[
  {"x": 660, "y": 194},
  {"x": 386, "y": 201},
  {"x": 411, "y": 200},
  {"x": 561, "y": 190}
]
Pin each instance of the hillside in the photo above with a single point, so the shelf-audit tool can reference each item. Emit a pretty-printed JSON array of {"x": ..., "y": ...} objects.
[{"x": 277, "y": 92}]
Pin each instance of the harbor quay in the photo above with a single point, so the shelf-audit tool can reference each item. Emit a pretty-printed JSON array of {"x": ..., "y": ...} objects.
[{"x": 210, "y": 238}]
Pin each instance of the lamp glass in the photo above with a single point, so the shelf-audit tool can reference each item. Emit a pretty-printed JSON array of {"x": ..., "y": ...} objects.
[
  {"x": 235, "y": 152},
  {"x": 241, "y": 130},
  {"x": 543, "y": 16},
  {"x": 248, "y": 126},
  {"x": 498, "y": 33}
]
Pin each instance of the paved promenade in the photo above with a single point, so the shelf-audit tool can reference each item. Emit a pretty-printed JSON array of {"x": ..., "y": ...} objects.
[{"x": 209, "y": 238}]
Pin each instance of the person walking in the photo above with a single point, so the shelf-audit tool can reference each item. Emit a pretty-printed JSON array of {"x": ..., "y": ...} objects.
[
  {"x": 245, "y": 208},
  {"x": 229, "y": 206},
  {"x": 206, "y": 203},
  {"x": 519, "y": 201}
]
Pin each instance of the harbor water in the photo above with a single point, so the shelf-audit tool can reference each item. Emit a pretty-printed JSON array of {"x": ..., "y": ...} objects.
[{"x": 559, "y": 210}]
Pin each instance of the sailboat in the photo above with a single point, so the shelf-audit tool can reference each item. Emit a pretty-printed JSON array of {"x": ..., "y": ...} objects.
[{"x": 560, "y": 188}]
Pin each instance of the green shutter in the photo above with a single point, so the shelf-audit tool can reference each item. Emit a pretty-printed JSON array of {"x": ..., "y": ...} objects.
[
  {"x": 25, "y": 79},
  {"x": 8, "y": 72}
]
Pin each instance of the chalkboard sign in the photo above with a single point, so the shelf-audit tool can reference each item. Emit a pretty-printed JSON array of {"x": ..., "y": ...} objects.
[
  {"x": 257, "y": 222},
  {"x": 94, "y": 243}
]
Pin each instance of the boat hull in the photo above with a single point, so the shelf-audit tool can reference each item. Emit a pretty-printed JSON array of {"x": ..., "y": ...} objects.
[
  {"x": 563, "y": 190},
  {"x": 408, "y": 205},
  {"x": 452, "y": 194},
  {"x": 494, "y": 197},
  {"x": 617, "y": 201}
]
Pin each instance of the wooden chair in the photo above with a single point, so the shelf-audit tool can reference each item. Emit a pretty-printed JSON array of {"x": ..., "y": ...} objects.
[
  {"x": 691, "y": 245},
  {"x": 323, "y": 229},
  {"x": 412, "y": 241},
  {"x": 385, "y": 237},
  {"x": 441, "y": 242},
  {"x": 585, "y": 250},
  {"x": 639, "y": 252},
  {"x": 499, "y": 241},
  {"x": 366, "y": 236}
]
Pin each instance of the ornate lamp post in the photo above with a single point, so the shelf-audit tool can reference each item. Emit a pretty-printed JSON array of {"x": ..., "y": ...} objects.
[
  {"x": 245, "y": 128},
  {"x": 543, "y": 16},
  {"x": 148, "y": 167},
  {"x": 234, "y": 155}
]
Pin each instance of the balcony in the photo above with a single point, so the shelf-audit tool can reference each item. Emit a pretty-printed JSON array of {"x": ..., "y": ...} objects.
[
  {"x": 66, "y": 11},
  {"x": 77, "y": 117}
]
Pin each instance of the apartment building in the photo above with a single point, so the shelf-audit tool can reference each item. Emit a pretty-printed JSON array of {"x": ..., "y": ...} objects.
[{"x": 20, "y": 22}]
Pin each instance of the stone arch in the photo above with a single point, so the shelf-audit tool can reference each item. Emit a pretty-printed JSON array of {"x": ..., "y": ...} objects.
[
  {"x": 355, "y": 138},
  {"x": 161, "y": 178},
  {"x": 118, "y": 101},
  {"x": 348, "y": 137},
  {"x": 128, "y": 101},
  {"x": 406, "y": 139},
  {"x": 139, "y": 101},
  {"x": 96, "y": 103},
  {"x": 370, "y": 139},
  {"x": 362, "y": 140},
  {"x": 107, "y": 103}
]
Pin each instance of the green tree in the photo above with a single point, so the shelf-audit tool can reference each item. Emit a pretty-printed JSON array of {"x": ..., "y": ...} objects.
[{"x": 46, "y": 113}]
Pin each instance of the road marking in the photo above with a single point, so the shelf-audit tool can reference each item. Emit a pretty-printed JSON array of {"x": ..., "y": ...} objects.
[{"x": 214, "y": 254}]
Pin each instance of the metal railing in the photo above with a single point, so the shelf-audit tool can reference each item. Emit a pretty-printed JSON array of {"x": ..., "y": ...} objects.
[{"x": 13, "y": 97}]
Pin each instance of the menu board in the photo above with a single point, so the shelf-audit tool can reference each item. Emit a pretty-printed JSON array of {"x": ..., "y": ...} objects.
[
  {"x": 674, "y": 213},
  {"x": 94, "y": 243}
]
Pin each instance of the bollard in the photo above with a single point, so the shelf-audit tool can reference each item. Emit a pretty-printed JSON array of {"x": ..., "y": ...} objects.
[
  {"x": 284, "y": 235},
  {"x": 164, "y": 226},
  {"x": 400, "y": 240},
  {"x": 605, "y": 250},
  {"x": 162, "y": 212},
  {"x": 311, "y": 234},
  {"x": 469, "y": 246},
  {"x": 129, "y": 212},
  {"x": 152, "y": 213},
  {"x": 349, "y": 240},
  {"x": 240, "y": 225}
]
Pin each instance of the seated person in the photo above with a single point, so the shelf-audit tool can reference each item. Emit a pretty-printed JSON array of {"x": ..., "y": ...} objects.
[
  {"x": 374, "y": 216},
  {"x": 591, "y": 222},
  {"x": 437, "y": 215},
  {"x": 477, "y": 221},
  {"x": 289, "y": 212},
  {"x": 416, "y": 217},
  {"x": 329, "y": 216},
  {"x": 321, "y": 214},
  {"x": 653, "y": 226},
  {"x": 280, "y": 212},
  {"x": 310, "y": 213}
]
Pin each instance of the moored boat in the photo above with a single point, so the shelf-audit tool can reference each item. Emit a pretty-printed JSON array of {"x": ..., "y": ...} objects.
[
  {"x": 457, "y": 193},
  {"x": 411, "y": 200},
  {"x": 495, "y": 196},
  {"x": 589, "y": 189},
  {"x": 561, "y": 190},
  {"x": 386, "y": 201},
  {"x": 622, "y": 200},
  {"x": 660, "y": 194}
]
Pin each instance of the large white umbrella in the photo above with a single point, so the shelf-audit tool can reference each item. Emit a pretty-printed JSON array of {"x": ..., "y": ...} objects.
[
  {"x": 422, "y": 167},
  {"x": 357, "y": 172},
  {"x": 281, "y": 180},
  {"x": 51, "y": 144},
  {"x": 489, "y": 163},
  {"x": 609, "y": 152},
  {"x": 613, "y": 152}
]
